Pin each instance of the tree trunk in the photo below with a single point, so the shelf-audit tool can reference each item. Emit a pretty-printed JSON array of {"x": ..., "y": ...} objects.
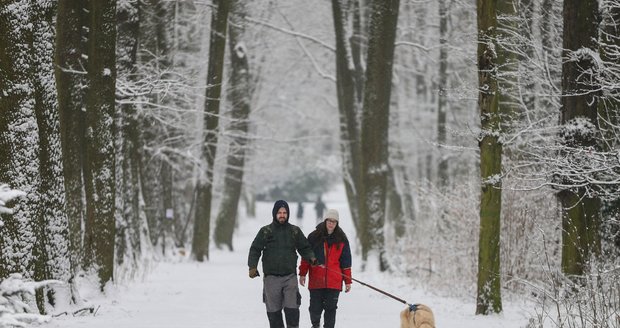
[
  {"x": 51, "y": 247},
  {"x": 580, "y": 212},
  {"x": 155, "y": 39},
  {"x": 128, "y": 232},
  {"x": 489, "y": 288},
  {"x": 219, "y": 22},
  {"x": 70, "y": 85},
  {"x": 19, "y": 144},
  {"x": 239, "y": 97},
  {"x": 100, "y": 161},
  {"x": 348, "y": 86},
  {"x": 375, "y": 122},
  {"x": 442, "y": 103}
]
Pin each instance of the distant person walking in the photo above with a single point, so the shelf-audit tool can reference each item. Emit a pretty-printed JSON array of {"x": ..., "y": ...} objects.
[
  {"x": 319, "y": 207},
  {"x": 332, "y": 250},
  {"x": 300, "y": 210},
  {"x": 277, "y": 242}
]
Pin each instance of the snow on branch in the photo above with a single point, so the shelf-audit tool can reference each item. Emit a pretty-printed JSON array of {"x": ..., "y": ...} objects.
[
  {"x": 294, "y": 33},
  {"x": 6, "y": 194},
  {"x": 14, "y": 312}
]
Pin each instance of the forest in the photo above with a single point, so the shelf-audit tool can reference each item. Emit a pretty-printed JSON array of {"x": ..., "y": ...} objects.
[{"x": 478, "y": 142}]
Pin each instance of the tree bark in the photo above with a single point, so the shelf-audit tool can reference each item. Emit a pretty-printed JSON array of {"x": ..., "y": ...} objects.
[
  {"x": 219, "y": 22},
  {"x": 19, "y": 164},
  {"x": 375, "y": 121},
  {"x": 70, "y": 84},
  {"x": 442, "y": 98},
  {"x": 101, "y": 130},
  {"x": 52, "y": 244},
  {"x": 155, "y": 39},
  {"x": 349, "y": 84},
  {"x": 239, "y": 97},
  {"x": 128, "y": 190},
  {"x": 489, "y": 288},
  {"x": 580, "y": 211}
]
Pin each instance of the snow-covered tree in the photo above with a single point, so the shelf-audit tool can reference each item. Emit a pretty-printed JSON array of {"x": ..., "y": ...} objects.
[
  {"x": 71, "y": 83},
  {"x": 489, "y": 297},
  {"x": 239, "y": 96},
  {"x": 52, "y": 246},
  {"x": 99, "y": 171},
  {"x": 217, "y": 47}
]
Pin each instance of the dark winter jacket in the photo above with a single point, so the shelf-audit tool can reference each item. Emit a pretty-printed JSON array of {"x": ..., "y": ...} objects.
[
  {"x": 334, "y": 253},
  {"x": 278, "y": 243}
]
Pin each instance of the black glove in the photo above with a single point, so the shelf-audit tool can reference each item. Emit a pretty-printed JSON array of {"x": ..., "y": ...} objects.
[
  {"x": 254, "y": 273},
  {"x": 314, "y": 261}
]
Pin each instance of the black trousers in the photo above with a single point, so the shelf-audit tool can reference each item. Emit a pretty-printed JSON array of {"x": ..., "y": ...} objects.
[{"x": 323, "y": 300}]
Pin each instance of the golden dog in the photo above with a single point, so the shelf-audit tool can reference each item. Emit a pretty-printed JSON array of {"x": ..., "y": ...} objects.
[{"x": 417, "y": 316}]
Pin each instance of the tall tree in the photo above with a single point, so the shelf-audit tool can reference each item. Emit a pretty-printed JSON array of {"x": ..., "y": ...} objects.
[
  {"x": 579, "y": 117},
  {"x": 375, "y": 118},
  {"x": 19, "y": 164},
  {"x": 217, "y": 47},
  {"x": 239, "y": 96},
  {"x": 156, "y": 43},
  {"x": 99, "y": 175},
  {"x": 489, "y": 288},
  {"x": 51, "y": 246},
  {"x": 349, "y": 86},
  {"x": 71, "y": 82},
  {"x": 442, "y": 103},
  {"x": 34, "y": 240},
  {"x": 128, "y": 161}
]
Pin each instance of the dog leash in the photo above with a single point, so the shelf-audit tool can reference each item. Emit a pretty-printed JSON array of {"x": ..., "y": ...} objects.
[{"x": 412, "y": 307}]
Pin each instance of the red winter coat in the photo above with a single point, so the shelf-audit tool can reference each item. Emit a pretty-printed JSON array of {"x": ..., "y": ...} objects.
[{"x": 333, "y": 260}]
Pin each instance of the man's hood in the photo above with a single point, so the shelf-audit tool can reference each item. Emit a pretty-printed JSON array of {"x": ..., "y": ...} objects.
[{"x": 277, "y": 206}]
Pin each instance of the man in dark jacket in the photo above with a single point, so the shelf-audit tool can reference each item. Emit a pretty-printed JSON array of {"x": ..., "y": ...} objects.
[{"x": 277, "y": 242}]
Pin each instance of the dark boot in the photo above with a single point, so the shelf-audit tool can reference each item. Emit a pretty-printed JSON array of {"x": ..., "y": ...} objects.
[
  {"x": 292, "y": 317},
  {"x": 275, "y": 319}
]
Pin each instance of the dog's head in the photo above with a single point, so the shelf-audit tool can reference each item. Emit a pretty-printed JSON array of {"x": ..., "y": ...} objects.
[{"x": 417, "y": 316}]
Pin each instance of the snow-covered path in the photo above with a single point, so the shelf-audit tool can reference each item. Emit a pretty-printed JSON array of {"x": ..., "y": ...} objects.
[{"x": 218, "y": 293}]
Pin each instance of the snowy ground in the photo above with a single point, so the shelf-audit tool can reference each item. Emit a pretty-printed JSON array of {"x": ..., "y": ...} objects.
[{"x": 219, "y": 293}]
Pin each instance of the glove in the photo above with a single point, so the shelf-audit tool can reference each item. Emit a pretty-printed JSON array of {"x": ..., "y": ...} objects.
[
  {"x": 314, "y": 261},
  {"x": 254, "y": 273}
]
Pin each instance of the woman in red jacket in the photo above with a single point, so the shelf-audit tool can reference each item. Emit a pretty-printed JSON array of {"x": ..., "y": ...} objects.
[{"x": 332, "y": 250}]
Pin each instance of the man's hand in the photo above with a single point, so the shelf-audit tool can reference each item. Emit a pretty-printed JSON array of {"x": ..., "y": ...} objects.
[
  {"x": 254, "y": 273},
  {"x": 302, "y": 280},
  {"x": 347, "y": 288}
]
